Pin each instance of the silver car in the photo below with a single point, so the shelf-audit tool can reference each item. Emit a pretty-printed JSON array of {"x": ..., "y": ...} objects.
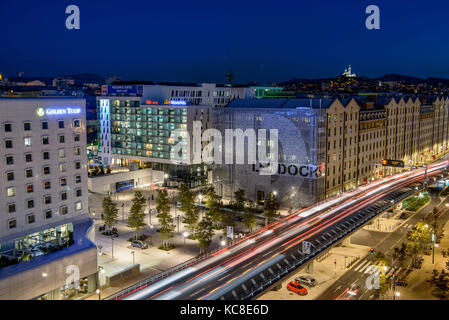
[{"x": 306, "y": 280}]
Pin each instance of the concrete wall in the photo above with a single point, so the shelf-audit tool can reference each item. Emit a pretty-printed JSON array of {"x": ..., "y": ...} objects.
[
  {"x": 103, "y": 184},
  {"x": 30, "y": 283}
]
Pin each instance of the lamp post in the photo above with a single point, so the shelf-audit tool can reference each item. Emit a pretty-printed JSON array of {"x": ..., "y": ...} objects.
[
  {"x": 177, "y": 217},
  {"x": 133, "y": 253},
  {"x": 123, "y": 211},
  {"x": 98, "y": 292},
  {"x": 185, "y": 234}
]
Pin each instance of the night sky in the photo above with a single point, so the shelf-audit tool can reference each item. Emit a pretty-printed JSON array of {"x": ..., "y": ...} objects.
[{"x": 200, "y": 41}]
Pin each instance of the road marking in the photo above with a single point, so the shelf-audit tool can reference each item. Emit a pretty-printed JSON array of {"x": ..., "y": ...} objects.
[
  {"x": 362, "y": 266},
  {"x": 224, "y": 277},
  {"x": 337, "y": 288},
  {"x": 202, "y": 289}
]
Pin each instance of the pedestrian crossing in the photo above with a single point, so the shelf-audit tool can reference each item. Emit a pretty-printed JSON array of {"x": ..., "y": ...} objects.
[
  {"x": 364, "y": 267},
  {"x": 408, "y": 226}
]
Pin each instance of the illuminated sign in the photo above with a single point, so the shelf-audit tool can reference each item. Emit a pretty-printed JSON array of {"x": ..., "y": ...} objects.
[
  {"x": 392, "y": 163},
  {"x": 305, "y": 171},
  {"x": 58, "y": 111},
  {"x": 167, "y": 102}
]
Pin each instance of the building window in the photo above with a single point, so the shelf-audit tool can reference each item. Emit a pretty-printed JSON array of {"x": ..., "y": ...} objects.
[
  {"x": 61, "y": 124},
  {"x": 7, "y": 127},
  {"x": 62, "y": 167},
  {"x": 27, "y": 126},
  {"x": 44, "y": 125},
  {"x": 28, "y": 157},
  {"x": 76, "y": 137},
  {"x": 28, "y": 173},
  {"x": 27, "y": 141},
  {"x": 63, "y": 196},
  {"x": 61, "y": 139},
  {"x": 9, "y": 160},
  {"x": 29, "y": 188},
  {"x": 77, "y": 179},
  {"x": 78, "y": 192},
  {"x": 48, "y": 214},
  {"x": 45, "y": 140},
  {"x": 31, "y": 218},
  {"x": 76, "y": 123},
  {"x": 47, "y": 200},
  {"x": 62, "y": 153},
  {"x": 47, "y": 185},
  {"x": 11, "y": 191},
  {"x": 77, "y": 165},
  {"x": 63, "y": 182},
  {"x": 77, "y": 151},
  {"x": 63, "y": 210},
  {"x": 11, "y": 208},
  {"x": 46, "y": 155},
  {"x": 30, "y": 204},
  {"x": 10, "y": 176},
  {"x": 46, "y": 170},
  {"x": 78, "y": 206},
  {"x": 12, "y": 224},
  {"x": 8, "y": 144}
]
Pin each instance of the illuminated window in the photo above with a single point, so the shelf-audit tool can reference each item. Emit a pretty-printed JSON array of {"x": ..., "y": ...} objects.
[
  {"x": 12, "y": 224},
  {"x": 78, "y": 206},
  {"x": 47, "y": 200},
  {"x": 47, "y": 185},
  {"x": 63, "y": 182},
  {"x": 63, "y": 210},
  {"x": 29, "y": 188},
  {"x": 11, "y": 191},
  {"x": 27, "y": 142}
]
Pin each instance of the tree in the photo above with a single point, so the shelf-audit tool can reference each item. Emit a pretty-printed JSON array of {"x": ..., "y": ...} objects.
[
  {"x": 191, "y": 211},
  {"x": 271, "y": 207},
  {"x": 165, "y": 218},
  {"x": 249, "y": 219},
  {"x": 440, "y": 283},
  {"x": 399, "y": 255},
  {"x": 110, "y": 213},
  {"x": 239, "y": 203},
  {"x": 214, "y": 205},
  {"x": 204, "y": 232},
  {"x": 136, "y": 219}
]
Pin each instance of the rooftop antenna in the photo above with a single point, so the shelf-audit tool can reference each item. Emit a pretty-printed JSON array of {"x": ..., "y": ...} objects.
[{"x": 230, "y": 77}]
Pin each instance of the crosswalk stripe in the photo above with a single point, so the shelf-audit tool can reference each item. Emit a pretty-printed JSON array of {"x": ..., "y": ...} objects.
[{"x": 362, "y": 265}]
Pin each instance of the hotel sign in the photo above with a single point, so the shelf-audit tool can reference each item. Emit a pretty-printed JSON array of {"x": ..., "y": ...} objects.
[{"x": 58, "y": 111}]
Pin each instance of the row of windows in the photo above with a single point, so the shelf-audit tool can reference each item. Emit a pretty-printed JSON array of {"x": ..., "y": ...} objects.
[
  {"x": 29, "y": 203},
  {"x": 45, "y": 155},
  {"x": 48, "y": 214},
  {"x": 27, "y": 141},
  {"x": 7, "y": 127},
  {"x": 29, "y": 188},
  {"x": 46, "y": 169}
]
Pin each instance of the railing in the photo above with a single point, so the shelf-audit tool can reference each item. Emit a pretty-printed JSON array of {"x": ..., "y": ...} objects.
[{"x": 184, "y": 265}]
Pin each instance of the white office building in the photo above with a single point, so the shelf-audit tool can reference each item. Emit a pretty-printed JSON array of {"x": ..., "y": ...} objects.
[{"x": 43, "y": 198}]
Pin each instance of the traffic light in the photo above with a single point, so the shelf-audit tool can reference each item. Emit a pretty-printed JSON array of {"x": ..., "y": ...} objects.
[{"x": 372, "y": 250}]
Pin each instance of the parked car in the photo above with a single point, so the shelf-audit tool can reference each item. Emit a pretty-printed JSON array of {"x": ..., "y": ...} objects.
[
  {"x": 102, "y": 228},
  {"x": 295, "y": 287},
  {"x": 403, "y": 216},
  {"x": 306, "y": 280},
  {"x": 139, "y": 244},
  {"x": 401, "y": 283}
]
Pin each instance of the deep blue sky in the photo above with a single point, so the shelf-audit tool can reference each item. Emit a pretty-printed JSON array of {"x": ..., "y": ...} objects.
[{"x": 199, "y": 40}]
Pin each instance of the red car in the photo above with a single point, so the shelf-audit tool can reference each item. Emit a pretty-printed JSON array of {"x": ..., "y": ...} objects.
[{"x": 297, "y": 288}]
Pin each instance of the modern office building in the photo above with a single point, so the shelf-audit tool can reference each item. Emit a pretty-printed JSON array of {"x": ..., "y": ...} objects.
[
  {"x": 44, "y": 203},
  {"x": 137, "y": 122},
  {"x": 345, "y": 138}
]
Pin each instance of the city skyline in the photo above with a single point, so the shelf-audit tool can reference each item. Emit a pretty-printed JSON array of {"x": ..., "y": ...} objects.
[{"x": 201, "y": 42}]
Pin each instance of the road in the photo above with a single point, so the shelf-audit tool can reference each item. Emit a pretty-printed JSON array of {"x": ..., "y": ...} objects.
[
  {"x": 382, "y": 242},
  {"x": 236, "y": 271}
]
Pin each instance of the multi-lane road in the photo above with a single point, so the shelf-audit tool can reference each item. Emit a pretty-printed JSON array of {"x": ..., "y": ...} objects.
[{"x": 239, "y": 270}]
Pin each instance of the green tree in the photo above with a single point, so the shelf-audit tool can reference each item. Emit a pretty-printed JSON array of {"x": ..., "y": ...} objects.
[
  {"x": 136, "y": 219},
  {"x": 110, "y": 213},
  {"x": 204, "y": 232},
  {"x": 191, "y": 211},
  {"x": 271, "y": 207},
  {"x": 399, "y": 255},
  {"x": 214, "y": 205},
  {"x": 239, "y": 203},
  {"x": 440, "y": 284},
  {"x": 249, "y": 219},
  {"x": 167, "y": 228}
]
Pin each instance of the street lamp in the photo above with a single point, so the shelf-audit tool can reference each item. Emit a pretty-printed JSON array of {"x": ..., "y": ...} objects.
[
  {"x": 275, "y": 193},
  {"x": 185, "y": 234},
  {"x": 44, "y": 275},
  {"x": 133, "y": 252},
  {"x": 223, "y": 243},
  {"x": 98, "y": 292}
]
